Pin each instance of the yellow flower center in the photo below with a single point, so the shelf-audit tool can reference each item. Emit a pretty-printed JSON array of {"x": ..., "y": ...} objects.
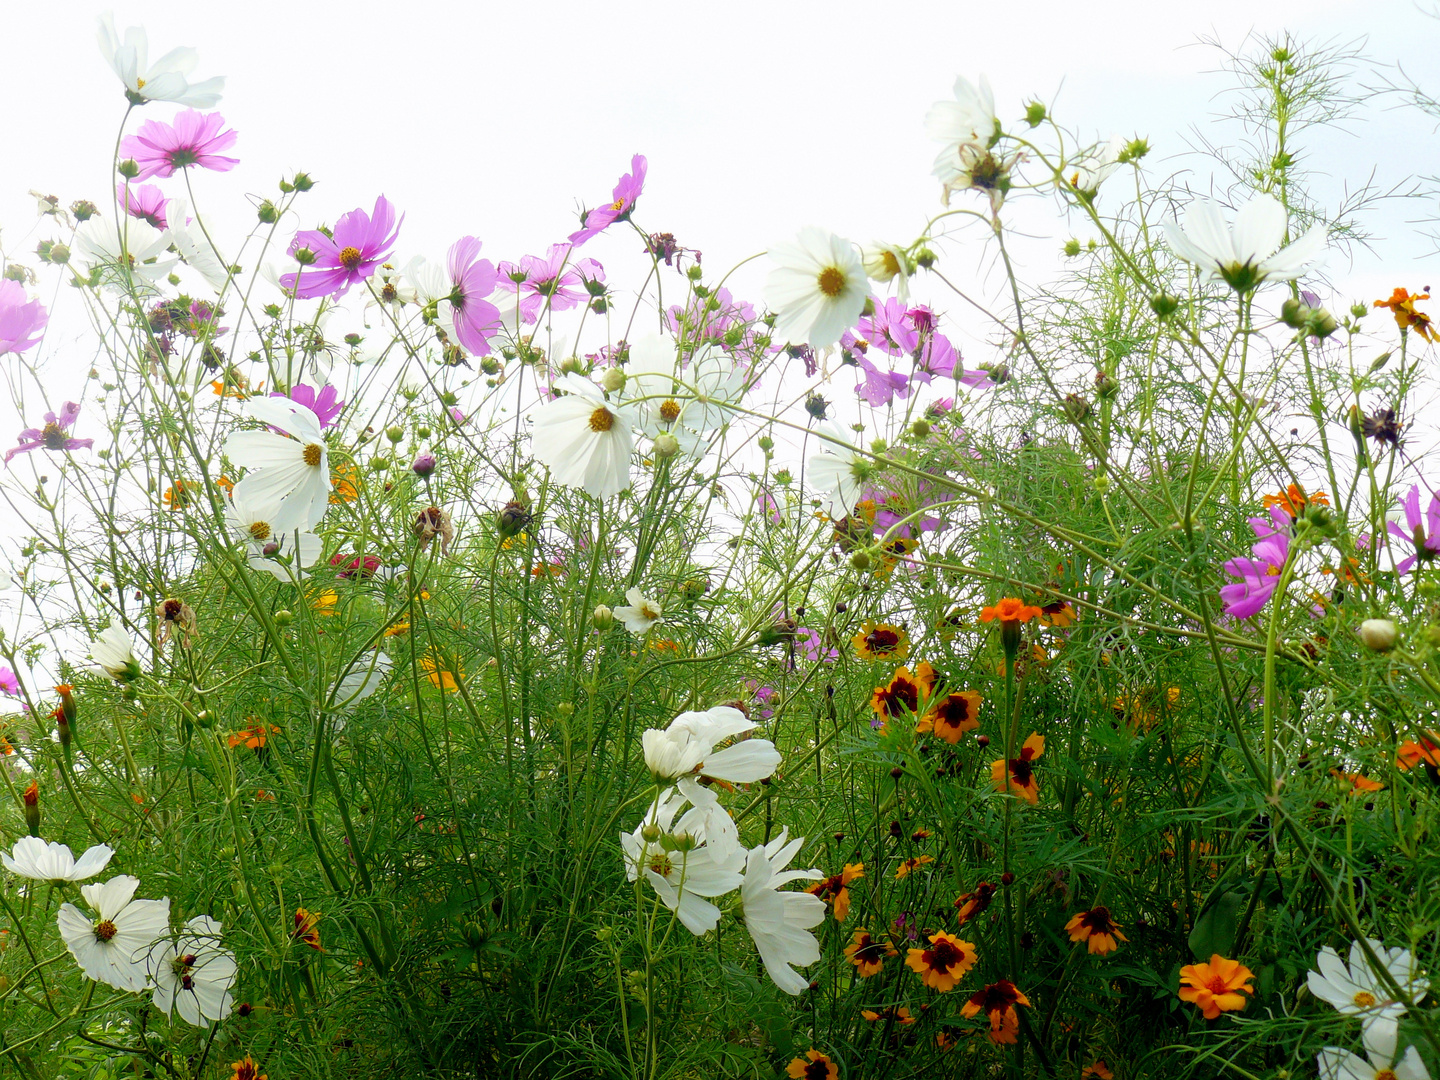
[
  {"x": 660, "y": 863},
  {"x": 350, "y": 257},
  {"x": 314, "y": 452},
  {"x": 105, "y": 930},
  {"x": 890, "y": 263},
  {"x": 669, "y": 410},
  {"x": 1364, "y": 999},
  {"x": 1385, "y": 1074},
  {"x": 260, "y": 530},
  {"x": 602, "y": 419},
  {"x": 139, "y": 84},
  {"x": 52, "y": 437},
  {"x": 831, "y": 281}
]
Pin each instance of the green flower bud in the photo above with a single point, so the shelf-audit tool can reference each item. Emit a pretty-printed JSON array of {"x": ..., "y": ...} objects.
[
  {"x": 1035, "y": 114},
  {"x": 602, "y": 618},
  {"x": 1071, "y": 248},
  {"x": 284, "y": 618},
  {"x": 1164, "y": 305},
  {"x": 128, "y": 169}
]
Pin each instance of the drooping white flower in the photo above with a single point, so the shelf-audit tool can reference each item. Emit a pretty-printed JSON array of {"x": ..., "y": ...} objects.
[
  {"x": 133, "y": 254},
  {"x": 965, "y": 128},
  {"x": 716, "y": 382},
  {"x": 818, "y": 288},
  {"x": 1356, "y": 990},
  {"x": 164, "y": 80},
  {"x": 429, "y": 284},
  {"x": 1248, "y": 253},
  {"x": 250, "y": 523},
  {"x": 779, "y": 922},
  {"x": 114, "y": 947},
  {"x": 1088, "y": 172},
  {"x": 840, "y": 471},
  {"x": 193, "y": 974},
  {"x": 886, "y": 262},
  {"x": 195, "y": 246},
  {"x": 687, "y": 748},
  {"x": 114, "y": 654},
  {"x": 640, "y": 614},
  {"x": 40, "y": 861},
  {"x": 1380, "y": 1038},
  {"x": 584, "y": 439},
  {"x": 362, "y": 680},
  {"x": 684, "y": 861},
  {"x": 290, "y": 474},
  {"x": 652, "y": 368}
]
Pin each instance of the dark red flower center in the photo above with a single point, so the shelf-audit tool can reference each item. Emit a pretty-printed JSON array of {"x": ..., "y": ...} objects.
[
  {"x": 943, "y": 956},
  {"x": 105, "y": 930},
  {"x": 882, "y": 641},
  {"x": 52, "y": 435}
]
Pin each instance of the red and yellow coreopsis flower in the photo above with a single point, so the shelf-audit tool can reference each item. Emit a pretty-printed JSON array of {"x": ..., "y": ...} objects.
[
  {"x": 998, "y": 1000},
  {"x": 952, "y": 716},
  {"x": 834, "y": 892},
  {"x": 867, "y": 954},
  {"x": 944, "y": 964},
  {"x": 813, "y": 1066},
  {"x": 899, "y": 1014},
  {"x": 246, "y": 1069},
  {"x": 305, "y": 928},
  {"x": 881, "y": 641},
  {"x": 1100, "y": 933},
  {"x": 905, "y": 694},
  {"x": 1402, "y": 306},
  {"x": 1098, "y": 1069},
  {"x": 903, "y": 870},
  {"x": 1017, "y": 776},
  {"x": 1219, "y": 986},
  {"x": 970, "y": 904}
]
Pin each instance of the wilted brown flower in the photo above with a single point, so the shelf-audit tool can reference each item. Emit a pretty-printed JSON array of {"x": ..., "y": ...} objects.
[
  {"x": 177, "y": 619},
  {"x": 430, "y": 523}
]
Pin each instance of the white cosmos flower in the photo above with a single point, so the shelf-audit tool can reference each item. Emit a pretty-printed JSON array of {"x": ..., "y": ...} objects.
[
  {"x": 841, "y": 471},
  {"x": 113, "y": 947},
  {"x": 1087, "y": 173},
  {"x": 584, "y": 439},
  {"x": 652, "y": 368},
  {"x": 818, "y": 288},
  {"x": 640, "y": 614},
  {"x": 191, "y": 243},
  {"x": 965, "y": 128},
  {"x": 1248, "y": 253},
  {"x": 717, "y": 382},
  {"x": 250, "y": 523},
  {"x": 134, "y": 254},
  {"x": 779, "y": 922},
  {"x": 362, "y": 680},
  {"x": 1380, "y": 1038},
  {"x": 886, "y": 262},
  {"x": 683, "y": 864},
  {"x": 687, "y": 748},
  {"x": 429, "y": 283},
  {"x": 1356, "y": 990},
  {"x": 393, "y": 289},
  {"x": 290, "y": 474},
  {"x": 164, "y": 80},
  {"x": 35, "y": 859},
  {"x": 193, "y": 974},
  {"x": 114, "y": 654}
]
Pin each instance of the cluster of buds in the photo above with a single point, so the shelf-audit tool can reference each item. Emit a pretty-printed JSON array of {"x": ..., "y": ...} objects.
[{"x": 1315, "y": 321}]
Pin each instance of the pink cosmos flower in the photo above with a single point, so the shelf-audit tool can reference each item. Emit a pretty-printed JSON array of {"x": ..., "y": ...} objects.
[
  {"x": 361, "y": 242},
  {"x": 21, "y": 319},
  {"x": 763, "y": 696},
  {"x": 146, "y": 202},
  {"x": 361, "y": 566},
  {"x": 9, "y": 683},
  {"x": 812, "y": 647},
  {"x": 53, "y": 435},
  {"x": 627, "y": 190},
  {"x": 881, "y": 387},
  {"x": 730, "y": 324},
  {"x": 1261, "y": 574},
  {"x": 536, "y": 281},
  {"x": 323, "y": 403},
  {"x": 1424, "y": 531},
  {"x": 891, "y": 508},
  {"x": 476, "y": 319},
  {"x": 194, "y": 139}
]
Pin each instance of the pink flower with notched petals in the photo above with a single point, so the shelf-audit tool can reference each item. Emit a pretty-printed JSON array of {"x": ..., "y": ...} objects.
[
  {"x": 361, "y": 242},
  {"x": 473, "y": 278},
  {"x": 1424, "y": 531},
  {"x": 195, "y": 138},
  {"x": 1261, "y": 574},
  {"x": 21, "y": 319},
  {"x": 53, "y": 436},
  {"x": 537, "y": 282},
  {"x": 323, "y": 403},
  {"x": 880, "y": 386},
  {"x": 146, "y": 202},
  {"x": 627, "y": 190}
]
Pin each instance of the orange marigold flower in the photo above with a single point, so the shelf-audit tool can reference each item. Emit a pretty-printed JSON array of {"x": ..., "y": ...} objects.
[
  {"x": 246, "y": 1069},
  {"x": 253, "y": 737},
  {"x": 998, "y": 1000},
  {"x": 903, "y": 870},
  {"x": 1219, "y": 986},
  {"x": 867, "y": 954},
  {"x": 1424, "y": 752},
  {"x": 1293, "y": 500},
  {"x": 344, "y": 481},
  {"x": 952, "y": 716},
  {"x": 899, "y": 1014},
  {"x": 1402, "y": 306},
  {"x": 1019, "y": 777},
  {"x": 1060, "y": 614},
  {"x": 176, "y": 496},
  {"x": 1010, "y": 610},
  {"x": 905, "y": 694},
  {"x": 440, "y": 677},
  {"x": 305, "y": 930},
  {"x": 1098, "y": 1069},
  {"x": 225, "y": 484},
  {"x": 881, "y": 641},
  {"x": 833, "y": 889},
  {"x": 813, "y": 1066},
  {"x": 1095, "y": 927},
  {"x": 944, "y": 964},
  {"x": 1359, "y": 782},
  {"x": 264, "y": 796},
  {"x": 970, "y": 904}
]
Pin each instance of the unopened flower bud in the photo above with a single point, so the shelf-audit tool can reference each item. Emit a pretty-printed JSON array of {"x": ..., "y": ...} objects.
[
  {"x": 423, "y": 465},
  {"x": 128, "y": 169},
  {"x": 613, "y": 380},
  {"x": 1007, "y": 878},
  {"x": 650, "y": 833},
  {"x": 666, "y": 446},
  {"x": 59, "y": 254},
  {"x": 271, "y": 549},
  {"x": 1134, "y": 150},
  {"x": 816, "y": 406},
  {"x": 925, "y": 258},
  {"x": 920, "y": 428},
  {"x": 1035, "y": 114},
  {"x": 284, "y": 618},
  {"x": 860, "y": 559},
  {"x": 765, "y": 443},
  {"x": 395, "y": 433},
  {"x": 1071, "y": 248},
  {"x": 1379, "y": 635},
  {"x": 1164, "y": 305},
  {"x": 302, "y": 182},
  {"x": 1379, "y": 362},
  {"x": 512, "y": 517},
  {"x": 304, "y": 256},
  {"x": 268, "y": 213},
  {"x": 1077, "y": 408},
  {"x": 982, "y": 741},
  {"x": 602, "y": 618},
  {"x": 1358, "y": 311},
  {"x": 32, "y": 808},
  {"x": 896, "y": 773},
  {"x": 83, "y": 209}
]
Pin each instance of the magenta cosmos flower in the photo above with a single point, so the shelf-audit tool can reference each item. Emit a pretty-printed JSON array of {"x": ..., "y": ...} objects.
[
  {"x": 195, "y": 138},
  {"x": 473, "y": 279},
  {"x": 22, "y": 320},
  {"x": 53, "y": 436},
  {"x": 1424, "y": 531},
  {"x": 323, "y": 403},
  {"x": 553, "y": 280},
  {"x": 146, "y": 202},
  {"x": 1261, "y": 574},
  {"x": 627, "y": 190},
  {"x": 360, "y": 243}
]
